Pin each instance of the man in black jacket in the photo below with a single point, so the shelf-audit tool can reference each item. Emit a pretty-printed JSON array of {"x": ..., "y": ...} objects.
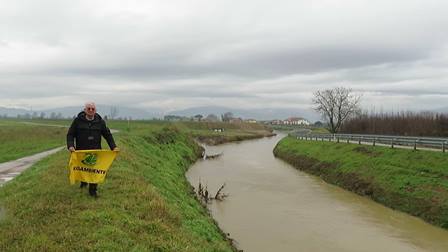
[{"x": 85, "y": 134}]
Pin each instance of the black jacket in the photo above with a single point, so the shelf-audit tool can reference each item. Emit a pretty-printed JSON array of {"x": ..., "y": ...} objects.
[{"x": 86, "y": 135}]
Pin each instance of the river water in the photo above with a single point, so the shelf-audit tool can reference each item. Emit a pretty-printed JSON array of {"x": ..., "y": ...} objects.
[{"x": 274, "y": 207}]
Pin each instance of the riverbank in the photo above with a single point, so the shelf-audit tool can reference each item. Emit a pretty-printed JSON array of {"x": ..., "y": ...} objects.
[
  {"x": 412, "y": 182},
  {"x": 221, "y": 139},
  {"x": 146, "y": 203},
  {"x": 215, "y": 133}
]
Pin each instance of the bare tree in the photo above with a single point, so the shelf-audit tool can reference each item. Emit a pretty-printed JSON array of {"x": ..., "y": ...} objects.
[
  {"x": 212, "y": 118},
  {"x": 226, "y": 116},
  {"x": 198, "y": 117},
  {"x": 336, "y": 105},
  {"x": 113, "y": 112}
]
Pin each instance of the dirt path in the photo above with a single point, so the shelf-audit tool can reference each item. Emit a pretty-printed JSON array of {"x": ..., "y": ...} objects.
[{"x": 11, "y": 169}]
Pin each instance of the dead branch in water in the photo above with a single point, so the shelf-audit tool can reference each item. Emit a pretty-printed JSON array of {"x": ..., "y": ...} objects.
[
  {"x": 200, "y": 189},
  {"x": 220, "y": 196},
  {"x": 204, "y": 195},
  {"x": 205, "y": 156}
]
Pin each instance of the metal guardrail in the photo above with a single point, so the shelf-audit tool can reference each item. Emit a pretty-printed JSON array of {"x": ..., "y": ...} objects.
[{"x": 392, "y": 141}]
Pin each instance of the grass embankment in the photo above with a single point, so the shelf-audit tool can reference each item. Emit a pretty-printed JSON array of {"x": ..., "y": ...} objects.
[
  {"x": 412, "y": 182},
  {"x": 22, "y": 138},
  {"x": 300, "y": 128},
  {"x": 19, "y": 139},
  {"x": 204, "y": 131},
  {"x": 320, "y": 130},
  {"x": 146, "y": 203}
]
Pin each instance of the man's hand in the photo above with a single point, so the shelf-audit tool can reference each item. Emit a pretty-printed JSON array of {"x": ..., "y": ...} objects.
[
  {"x": 116, "y": 149},
  {"x": 71, "y": 149}
]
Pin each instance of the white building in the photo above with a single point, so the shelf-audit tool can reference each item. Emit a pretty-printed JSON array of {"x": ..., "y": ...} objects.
[{"x": 296, "y": 121}]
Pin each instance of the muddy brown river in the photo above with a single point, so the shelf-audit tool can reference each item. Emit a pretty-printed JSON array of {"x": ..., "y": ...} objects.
[{"x": 274, "y": 207}]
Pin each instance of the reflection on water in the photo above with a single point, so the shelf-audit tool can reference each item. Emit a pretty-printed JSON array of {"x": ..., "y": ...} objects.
[{"x": 274, "y": 207}]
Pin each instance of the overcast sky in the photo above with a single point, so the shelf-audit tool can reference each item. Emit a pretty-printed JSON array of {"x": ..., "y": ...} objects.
[{"x": 248, "y": 54}]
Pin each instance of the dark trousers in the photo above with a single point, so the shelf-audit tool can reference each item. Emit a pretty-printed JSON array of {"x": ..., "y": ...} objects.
[{"x": 92, "y": 187}]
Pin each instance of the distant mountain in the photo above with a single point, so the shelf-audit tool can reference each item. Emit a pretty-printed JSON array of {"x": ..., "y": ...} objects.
[
  {"x": 12, "y": 112},
  {"x": 138, "y": 113},
  {"x": 103, "y": 110},
  {"x": 259, "y": 114}
]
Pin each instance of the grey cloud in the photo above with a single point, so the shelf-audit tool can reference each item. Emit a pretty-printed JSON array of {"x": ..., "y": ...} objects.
[
  {"x": 410, "y": 92},
  {"x": 209, "y": 92},
  {"x": 253, "y": 65},
  {"x": 251, "y": 53}
]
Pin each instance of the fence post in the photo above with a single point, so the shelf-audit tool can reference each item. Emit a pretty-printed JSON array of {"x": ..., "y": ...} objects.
[
  {"x": 392, "y": 143},
  {"x": 359, "y": 140},
  {"x": 443, "y": 147},
  {"x": 374, "y": 141},
  {"x": 415, "y": 145},
  {"x": 338, "y": 140}
]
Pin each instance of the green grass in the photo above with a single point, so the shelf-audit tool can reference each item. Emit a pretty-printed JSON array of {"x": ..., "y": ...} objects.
[
  {"x": 146, "y": 203},
  {"x": 18, "y": 139},
  {"x": 203, "y": 131},
  {"x": 415, "y": 182},
  {"x": 21, "y": 138},
  {"x": 288, "y": 127},
  {"x": 314, "y": 129},
  {"x": 320, "y": 130}
]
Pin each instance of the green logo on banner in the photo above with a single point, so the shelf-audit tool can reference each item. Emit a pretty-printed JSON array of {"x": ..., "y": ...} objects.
[{"x": 89, "y": 159}]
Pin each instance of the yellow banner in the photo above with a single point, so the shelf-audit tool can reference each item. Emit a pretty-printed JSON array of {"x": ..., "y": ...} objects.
[{"x": 90, "y": 166}]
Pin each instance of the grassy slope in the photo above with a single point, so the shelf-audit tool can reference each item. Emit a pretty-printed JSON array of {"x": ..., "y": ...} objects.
[
  {"x": 19, "y": 140},
  {"x": 413, "y": 182},
  {"x": 203, "y": 131},
  {"x": 146, "y": 204},
  {"x": 320, "y": 131}
]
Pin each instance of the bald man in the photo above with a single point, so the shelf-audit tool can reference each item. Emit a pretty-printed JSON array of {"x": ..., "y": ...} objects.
[{"x": 85, "y": 134}]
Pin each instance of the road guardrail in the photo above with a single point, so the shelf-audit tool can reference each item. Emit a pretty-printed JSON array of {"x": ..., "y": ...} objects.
[{"x": 392, "y": 141}]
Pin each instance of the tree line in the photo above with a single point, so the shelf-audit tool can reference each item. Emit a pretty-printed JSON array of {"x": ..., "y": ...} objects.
[
  {"x": 402, "y": 123},
  {"x": 35, "y": 115},
  {"x": 340, "y": 108}
]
